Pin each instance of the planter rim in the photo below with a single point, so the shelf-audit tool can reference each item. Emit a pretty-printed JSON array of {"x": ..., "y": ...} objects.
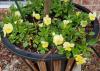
[{"x": 36, "y": 56}]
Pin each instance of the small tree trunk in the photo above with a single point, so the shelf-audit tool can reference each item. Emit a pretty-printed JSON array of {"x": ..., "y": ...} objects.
[{"x": 47, "y": 4}]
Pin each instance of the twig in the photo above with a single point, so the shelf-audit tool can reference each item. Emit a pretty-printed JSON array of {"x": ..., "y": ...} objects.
[{"x": 30, "y": 64}]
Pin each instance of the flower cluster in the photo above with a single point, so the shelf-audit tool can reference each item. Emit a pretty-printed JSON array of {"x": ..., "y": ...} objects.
[
  {"x": 58, "y": 30},
  {"x": 7, "y": 29},
  {"x": 79, "y": 59}
]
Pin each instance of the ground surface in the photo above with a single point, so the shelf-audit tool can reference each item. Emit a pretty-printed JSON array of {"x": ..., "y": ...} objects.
[{"x": 10, "y": 62}]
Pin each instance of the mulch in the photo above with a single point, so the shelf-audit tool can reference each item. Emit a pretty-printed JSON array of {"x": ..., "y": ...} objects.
[{"x": 11, "y": 62}]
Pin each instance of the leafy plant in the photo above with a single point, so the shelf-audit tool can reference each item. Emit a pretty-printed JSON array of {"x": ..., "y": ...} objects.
[{"x": 63, "y": 28}]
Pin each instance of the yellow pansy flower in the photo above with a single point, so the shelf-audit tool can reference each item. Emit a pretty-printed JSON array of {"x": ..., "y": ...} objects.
[
  {"x": 44, "y": 44},
  {"x": 33, "y": 13},
  {"x": 84, "y": 23},
  {"x": 78, "y": 13},
  {"x": 8, "y": 28},
  {"x": 37, "y": 16},
  {"x": 65, "y": 22},
  {"x": 68, "y": 46},
  {"x": 92, "y": 16},
  {"x": 53, "y": 33},
  {"x": 58, "y": 39},
  {"x": 65, "y": 0},
  {"x": 21, "y": 20},
  {"x": 47, "y": 20},
  {"x": 72, "y": 44},
  {"x": 79, "y": 59},
  {"x": 17, "y": 13}
]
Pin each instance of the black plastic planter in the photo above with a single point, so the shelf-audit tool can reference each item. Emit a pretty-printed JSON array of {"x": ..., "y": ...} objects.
[{"x": 36, "y": 57}]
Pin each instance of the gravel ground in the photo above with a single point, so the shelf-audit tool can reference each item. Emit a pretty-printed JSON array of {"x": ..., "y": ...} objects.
[{"x": 10, "y": 62}]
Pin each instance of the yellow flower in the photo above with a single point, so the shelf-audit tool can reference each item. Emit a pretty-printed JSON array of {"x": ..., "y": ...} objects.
[
  {"x": 47, "y": 20},
  {"x": 37, "y": 16},
  {"x": 8, "y": 28},
  {"x": 58, "y": 39},
  {"x": 72, "y": 44},
  {"x": 68, "y": 46},
  {"x": 78, "y": 13},
  {"x": 92, "y": 16},
  {"x": 66, "y": 22},
  {"x": 79, "y": 59},
  {"x": 44, "y": 44},
  {"x": 15, "y": 22},
  {"x": 65, "y": 0},
  {"x": 53, "y": 33},
  {"x": 17, "y": 13},
  {"x": 21, "y": 20},
  {"x": 33, "y": 13},
  {"x": 84, "y": 23}
]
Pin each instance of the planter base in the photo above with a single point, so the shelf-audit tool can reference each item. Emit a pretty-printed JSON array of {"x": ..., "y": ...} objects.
[
  {"x": 76, "y": 68},
  {"x": 68, "y": 65}
]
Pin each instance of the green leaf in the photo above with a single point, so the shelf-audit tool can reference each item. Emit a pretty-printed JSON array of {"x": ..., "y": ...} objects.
[
  {"x": 92, "y": 33},
  {"x": 75, "y": 51},
  {"x": 25, "y": 44},
  {"x": 77, "y": 34},
  {"x": 92, "y": 42},
  {"x": 42, "y": 51},
  {"x": 68, "y": 54},
  {"x": 60, "y": 50}
]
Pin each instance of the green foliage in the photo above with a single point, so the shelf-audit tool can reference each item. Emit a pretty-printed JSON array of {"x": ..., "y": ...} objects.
[{"x": 30, "y": 34}]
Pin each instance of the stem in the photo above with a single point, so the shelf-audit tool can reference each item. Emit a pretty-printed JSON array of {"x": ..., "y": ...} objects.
[
  {"x": 47, "y": 4},
  {"x": 19, "y": 9}
]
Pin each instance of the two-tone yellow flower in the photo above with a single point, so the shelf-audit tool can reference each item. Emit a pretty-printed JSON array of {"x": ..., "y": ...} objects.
[
  {"x": 17, "y": 13},
  {"x": 21, "y": 20},
  {"x": 79, "y": 59},
  {"x": 44, "y": 44},
  {"x": 53, "y": 33},
  {"x": 66, "y": 22},
  {"x": 92, "y": 16},
  {"x": 58, "y": 39},
  {"x": 7, "y": 29},
  {"x": 47, "y": 20},
  {"x": 36, "y": 15},
  {"x": 68, "y": 46},
  {"x": 78, "y": 13},
  {"x": 66, "y": 1}
]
